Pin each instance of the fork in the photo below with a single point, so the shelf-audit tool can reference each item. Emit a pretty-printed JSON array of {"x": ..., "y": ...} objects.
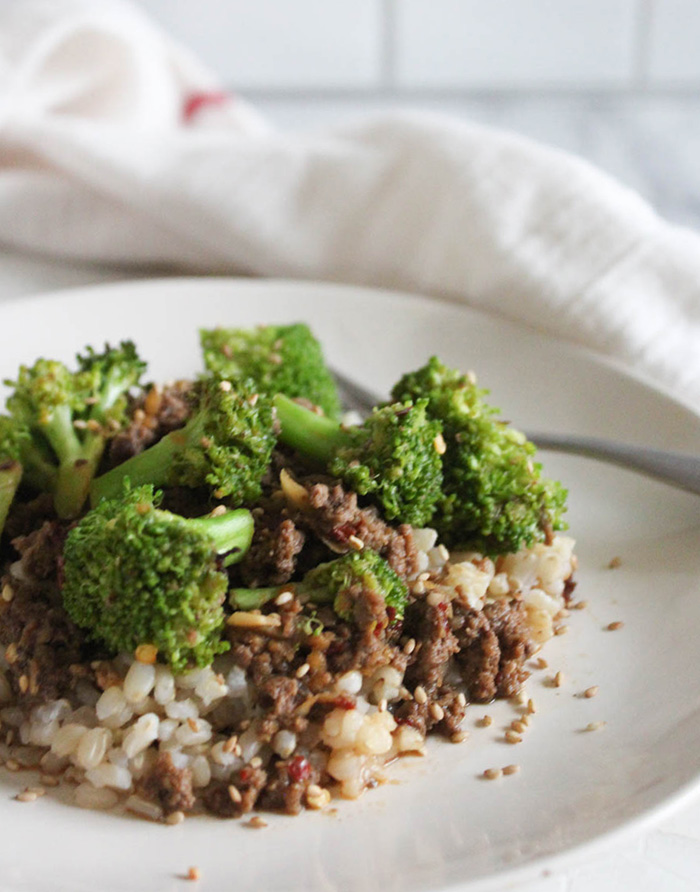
[{"x": 675, "y": 468}]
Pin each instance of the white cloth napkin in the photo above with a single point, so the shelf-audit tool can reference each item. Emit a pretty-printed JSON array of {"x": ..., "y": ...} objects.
[{"x": 118, "y": 146}]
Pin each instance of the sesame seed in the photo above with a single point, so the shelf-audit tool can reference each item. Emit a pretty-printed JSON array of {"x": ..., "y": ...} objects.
[
  {"x": 493, "y": 773},
  {"x": 486, "y": 721},
  {"x": 437, "y": 712},
  {"x": 257, "y": 823},
  {"x": 79, "y": 424},
  {"x": 579, "y": 605},
  {"x": 409, "y": 646},
  {"x": 558, "y": 680},
  {"x": 531, "y": 707},
  {"x": 253, "y": 400},
  {"x": 357, "y": 543},
  {"x": 175, "y": 817},
  {"x": 230, "y": 745},
  {"x": 284, "y": 598},
  {"x": 443, "y": 552},
  {"x": 7, "y": 593},
  {"x": 520, "y": 698},
  {"x": 50, "y": 780},
  {"x": 595, "y": 726},
  {"x": 561, "y": 630},
  {"x": 234, "y": 794},
  {"x": 243, "y": 619},
  {"x": 382, "y": 707},
  {"x": 11, "y": 653},
  {"x": 317, "y": 797},
  {"x": 23, "y": 684},
  {"x": 218, "y": 511},
  {"x": 613, "y": 627},
  {"x": 226, "y": 386},
  {"x": 314, "y": 790},
  {"x": 193, "y": 873},
  {"x": 512, "y": 737},
  {"x": 255, "y": 762},
  {"x": 38, "y": 791},
  {"x": 525, "y": 720},
  {"x": 511, "y": 769},
  {"x": 439, "y": 444},
  {"x": 541, "y": 663},
  {"x": 303, "y": 670},
  {"x": 146, "y": 653},
  {"x": 517, "y": 726},
  {"x": 461, "y": 700},
  {"x": 591, "y": 692},
  {"x": 12, "y": 765},
  {"x": 459, "y": 736},
  {"x": 94, "y": 426},
  {"x": 420, "y": 695},
  {"x": 26, "y": 796},
  {"x": 204, "y": 442}
]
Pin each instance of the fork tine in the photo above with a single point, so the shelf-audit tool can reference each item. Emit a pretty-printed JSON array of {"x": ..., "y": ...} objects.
[{"x": 353, "y": 395}]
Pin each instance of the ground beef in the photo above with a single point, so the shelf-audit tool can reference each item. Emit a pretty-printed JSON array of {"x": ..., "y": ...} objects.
[
  {"x": 430, "y": 625},
  {"x": 334, "y": 515},
  {"x": 153, "y": 415},
  {"x": 25, "y": 516},
  {"x": 169, "y": 786},
  {"x": 247, "y": 781},
  {"x": 276, "y": 544},
  {"x": 494, "y": 644},
  {"x": 40, "y": 551},
  {"x": 42, "y": 645},
  {"x": 287, "y": 785}
]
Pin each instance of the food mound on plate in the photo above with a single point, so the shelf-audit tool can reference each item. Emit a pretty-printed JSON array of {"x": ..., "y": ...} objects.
[{"x": 221, "y": 594}]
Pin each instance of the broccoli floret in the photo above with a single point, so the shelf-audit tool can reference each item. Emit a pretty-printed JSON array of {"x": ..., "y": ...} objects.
[
  {"x": 135, "y": 574},
  {"x": 69, "y": 416},
  {"x": 278, "y": 358},
  {"x": 226, "y": 444},
  {"x": 10, "y": 466},
  {"x": 393, "y": 457},
  {"x": 495, "y": 499},
  {"x": 338, "y": 582}
]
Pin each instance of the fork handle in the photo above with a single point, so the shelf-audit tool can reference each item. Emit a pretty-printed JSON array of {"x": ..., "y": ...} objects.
[{"x": 677, "y": 468}]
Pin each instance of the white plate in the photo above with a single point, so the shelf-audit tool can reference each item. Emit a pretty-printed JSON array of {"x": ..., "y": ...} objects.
[{"x": 440, "y": 825}]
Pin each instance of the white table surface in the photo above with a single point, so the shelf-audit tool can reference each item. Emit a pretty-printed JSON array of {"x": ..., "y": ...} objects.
[{"x": 650, "y": 145}]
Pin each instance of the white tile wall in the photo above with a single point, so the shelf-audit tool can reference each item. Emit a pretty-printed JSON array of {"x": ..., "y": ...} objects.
[
  {"x": 674, "y": 43},
  {"x": 403, "y": 47},
  {"x": 280, "y": 44},
  {"x": 516, "y": 43}
]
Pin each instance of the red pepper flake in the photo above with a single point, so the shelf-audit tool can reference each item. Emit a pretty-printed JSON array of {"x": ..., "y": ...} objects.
[
  {"x": 343, "y": 702},
  {"x": 343, "y": 532},
  {"x": 245, "y": 775},
  {"x": 299, "y": 769},
  {"x": 391, "y": 613}
]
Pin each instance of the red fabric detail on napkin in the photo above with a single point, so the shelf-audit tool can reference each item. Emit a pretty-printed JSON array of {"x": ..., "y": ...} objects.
[{"x": 195, "y": 102}]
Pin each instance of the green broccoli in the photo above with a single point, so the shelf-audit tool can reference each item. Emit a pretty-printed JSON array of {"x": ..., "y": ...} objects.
[
  {"x": 69, "y": 416},
  {"x": 278, "y": 358},
  {"x": 10, "y": 466},
  {"x": 135, "y": 574},
  {"x": 226, "y": 444},
  {"x": 393, "y": 457},
  {"x": 338, "y": 582},
  {"x": 495, "y": 499}
]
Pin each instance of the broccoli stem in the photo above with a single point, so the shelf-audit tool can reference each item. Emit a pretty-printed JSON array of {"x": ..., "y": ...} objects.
[
  {"x": 150, "y": 466},
  {"x": 75, "y": 474},
  {"x": 10, "y": 476},
  {"x": 231, "y": 532},
  {"x": 312, "y": 435},
  {"x": 252, "y": 598}
]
